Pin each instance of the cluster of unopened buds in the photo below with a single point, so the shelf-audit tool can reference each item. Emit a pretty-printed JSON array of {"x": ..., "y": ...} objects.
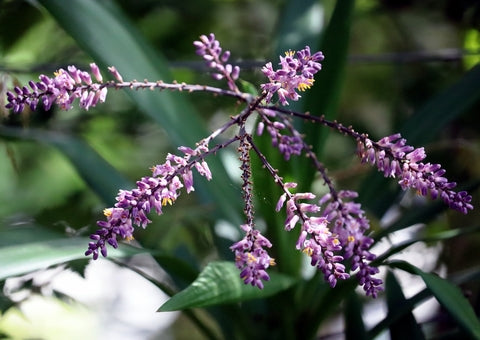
[{"x": 333, "y": 228}]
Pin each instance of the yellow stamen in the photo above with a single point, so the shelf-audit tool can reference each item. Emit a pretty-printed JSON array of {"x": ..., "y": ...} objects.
[
  {"x": 289, "y": 53},
  {"x": 251, "y": 258},
  {"x": 351, "y": 238},
  {"x": 129, "y": 238},
  {"x": 166, "y": 200},
  {"x": 336, "y": 242},
  {"x": 107, "y": 212},
  {"x": 306, "y": 85},
  {"x": 308, "y": 251},
  {"x": 272, "y": 261}
]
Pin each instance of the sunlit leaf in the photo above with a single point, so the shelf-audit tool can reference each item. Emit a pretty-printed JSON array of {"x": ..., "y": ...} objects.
[
  {"x": 219, "y": 283},
  {"x": 449, "y": 296},
  {"x": 23, "y": 258},
  {"x": 101, "y": 177}
]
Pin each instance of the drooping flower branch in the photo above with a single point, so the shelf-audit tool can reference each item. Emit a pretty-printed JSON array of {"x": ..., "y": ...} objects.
[
  {"x": 333, "y": 228},
  {"x": 250, "y": 256}
]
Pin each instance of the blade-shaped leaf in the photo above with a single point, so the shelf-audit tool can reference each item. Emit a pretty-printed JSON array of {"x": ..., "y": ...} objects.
[
  {"x": 445, "y": 235},
  {"x": 449, "y": 296},
  {"x": 219, "y": 283},
  {"x": 27, "y": 257},
  {"x": 97, "y": 173},
  {"x": 354, "y": 326},
  {"x": 405, "y": 327},
  {"x": 324, "y": 97}
]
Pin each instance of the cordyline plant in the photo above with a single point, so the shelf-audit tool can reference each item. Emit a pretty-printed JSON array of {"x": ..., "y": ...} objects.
[{"x": 333, "y": 227}]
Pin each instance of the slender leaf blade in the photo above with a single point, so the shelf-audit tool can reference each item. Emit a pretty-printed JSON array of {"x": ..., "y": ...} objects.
[
  {"x": 27, "y": 257},
  {"x": 449, "y": 296},
  {"x": 406, "y": 327},
  {"x": 354, "y": 326},
  {"x": 100, "y": 176},
  {"x": 219, "y": 283}
]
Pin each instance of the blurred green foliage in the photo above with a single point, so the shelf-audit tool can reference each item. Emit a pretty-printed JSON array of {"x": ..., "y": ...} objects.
[{"x": 392, "y": 66}]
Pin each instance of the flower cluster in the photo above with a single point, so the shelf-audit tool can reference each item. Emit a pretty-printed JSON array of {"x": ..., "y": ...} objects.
[
  {"x": 63, "y": 89},
  {"x": 251, "y": 257},
  {"x": 349, "y": 223},
  {"x": 338, "y": 228},
  {"x": 288, "y": 140},
  {"x": 154, "y": 191},
  {"x": 209, "y": 48},
  {"x": 296, "y": 73},
  {"x": 395, "y": 158}
]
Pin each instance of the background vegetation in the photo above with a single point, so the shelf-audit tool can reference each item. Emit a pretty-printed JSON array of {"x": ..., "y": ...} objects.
[{"x": 391, "y": 66}]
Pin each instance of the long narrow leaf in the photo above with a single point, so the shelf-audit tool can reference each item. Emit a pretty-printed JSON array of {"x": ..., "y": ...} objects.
[
  {"x": 101, "y": 177},
  {"x": 300, "y": 24},
  {"x": 449, "y": 296},
  {"x": 446, "y": 235},
  {"x": 354, "y": 326},
  {"x": 23, "y": 258},
  {"x": 405, "y": 327}
]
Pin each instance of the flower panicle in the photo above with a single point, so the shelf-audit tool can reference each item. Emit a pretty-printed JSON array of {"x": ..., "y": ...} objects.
[
  {"x": 152, "y": 192},
  {"x": 208, "y": 47},
  {"x": 63, "y": 89},
  {"x": 396, "y": 159},
  {"x": 296, "y": 74}
]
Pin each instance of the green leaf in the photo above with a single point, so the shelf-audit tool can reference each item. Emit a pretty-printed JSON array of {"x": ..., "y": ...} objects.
[
  {"x": 449, "y": 296},
  {"x": 445, "y": 235},
  {"x": 301, "y": 24},
  {"x": 27, "y": 257},
  {"x": 99, "y": 175},
  {"x": 354, "y": 326},
  {"x": 219, "y": 283},
  {"x": 449, "y": 104},
  {"x": 324, "y": 97},
  {"x": 405, "y": 327},
  {"x": 104, "y": 32}
]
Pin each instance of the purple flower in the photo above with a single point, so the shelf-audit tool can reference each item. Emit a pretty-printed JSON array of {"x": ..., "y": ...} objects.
[
  {"x": 209, "y": 48},
  {"x": 395, "y": 158},
  {"x": 284, "y": 137},
  {"x": 350, "y": 225},
  {"x": 63, "y": 89},
  {"x": 337, "y": 234},
  {"x": 296, "y": 73},
  {"x": 251, "y": 257},
  {"x": 152, "y": 192}
]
